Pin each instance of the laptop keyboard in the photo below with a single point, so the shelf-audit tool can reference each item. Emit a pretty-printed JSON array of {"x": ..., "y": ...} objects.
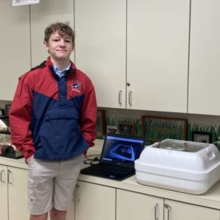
[
  {"x": 108, "y": 171},
  {"x": 111, "y": 169}
]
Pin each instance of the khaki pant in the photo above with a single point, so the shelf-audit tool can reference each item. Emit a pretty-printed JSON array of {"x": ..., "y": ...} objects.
[{"x": 51, "y": 184}]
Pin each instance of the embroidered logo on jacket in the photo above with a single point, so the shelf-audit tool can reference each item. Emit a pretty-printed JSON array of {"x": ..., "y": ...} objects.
[{"x": 76, "y": 86}]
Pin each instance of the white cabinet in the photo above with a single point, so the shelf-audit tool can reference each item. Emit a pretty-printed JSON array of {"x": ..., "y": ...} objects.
[
  {"x": 181, "y": 211},
  {"x": 204, "y": 68},
  {"x": 71, "y": 209},
  {"x": 42, "y": 15},
  {"x": 135, "y": 52},
  {"x": 17, "y": 194},
  {"x": 3, "y": 193},
  {"x": 15, "y": 46},
  {"x": 136, "y": 206},
  {"x": 94, "y": 202},
  {"x": 13, "y": 193},
  {"x": 132, "y": 205},
  {"x": 157, "y": 54},
  {"x": 101, "y": 48}
]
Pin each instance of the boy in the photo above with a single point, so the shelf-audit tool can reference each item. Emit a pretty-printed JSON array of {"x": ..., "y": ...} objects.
[{"x": 53, "y": 122}]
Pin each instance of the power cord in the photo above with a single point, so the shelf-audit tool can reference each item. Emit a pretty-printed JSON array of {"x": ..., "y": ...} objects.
[{"x": 92, "y": 159}]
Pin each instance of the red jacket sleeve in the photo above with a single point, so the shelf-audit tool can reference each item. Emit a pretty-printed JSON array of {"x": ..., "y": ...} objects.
[
  {"x": 20, "y": 118},
  {"x": 89, "y": 115}
]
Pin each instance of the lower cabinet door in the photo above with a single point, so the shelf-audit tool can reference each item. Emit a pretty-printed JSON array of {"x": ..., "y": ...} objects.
[
  {"x": 3, "y": 193},
  {"x": 17, "y": 194},
  {"x": 136, "y": 206},
  {"x": 181, "y": 211},
  {"x": 71, "y": 209},
  {"x": 94, "y": 202}
]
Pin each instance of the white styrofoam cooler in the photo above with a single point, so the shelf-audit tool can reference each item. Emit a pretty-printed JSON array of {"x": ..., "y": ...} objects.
[{"x": 185, "y": 166}]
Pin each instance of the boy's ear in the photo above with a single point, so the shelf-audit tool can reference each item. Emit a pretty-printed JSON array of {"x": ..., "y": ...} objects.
[{"x": 46, "y": 46}]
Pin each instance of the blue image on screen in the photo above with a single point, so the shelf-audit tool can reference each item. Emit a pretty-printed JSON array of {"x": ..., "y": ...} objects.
[{"x": 122, "y": 152}]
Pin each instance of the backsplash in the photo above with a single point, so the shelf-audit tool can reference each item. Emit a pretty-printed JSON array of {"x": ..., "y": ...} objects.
[
  {"x": 160, "y": 128},
  {"x": 129, "y": 122}
]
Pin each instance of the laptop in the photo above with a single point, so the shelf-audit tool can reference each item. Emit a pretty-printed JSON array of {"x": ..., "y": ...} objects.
[{"x": 117, "y": 158}]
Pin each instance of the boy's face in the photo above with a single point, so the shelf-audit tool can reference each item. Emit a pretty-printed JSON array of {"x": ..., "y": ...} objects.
[{"x": 59, "y": 48}]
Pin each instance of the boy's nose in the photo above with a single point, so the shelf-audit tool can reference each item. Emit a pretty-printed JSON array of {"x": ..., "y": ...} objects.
[{"x": 62, "y": 42}]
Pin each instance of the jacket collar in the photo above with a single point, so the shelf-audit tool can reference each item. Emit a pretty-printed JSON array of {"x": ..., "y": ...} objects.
[{"x": 50, "y": 65}]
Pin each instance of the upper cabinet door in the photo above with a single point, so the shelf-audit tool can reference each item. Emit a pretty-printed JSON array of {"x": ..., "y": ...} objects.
[
  {"x": 157, "y": 54},
  {"x": 15, "y": 46},
  {"x": 204, "y": 71},
  {"x": 42, "y": 15},
  {"x": 101, "y": 48}
]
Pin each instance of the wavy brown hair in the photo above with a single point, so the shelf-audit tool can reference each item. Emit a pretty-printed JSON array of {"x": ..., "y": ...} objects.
[{"x": 62, "y": 29}]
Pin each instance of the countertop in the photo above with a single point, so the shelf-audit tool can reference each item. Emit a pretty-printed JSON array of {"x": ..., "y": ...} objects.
[{"x": 209, "y": 199}]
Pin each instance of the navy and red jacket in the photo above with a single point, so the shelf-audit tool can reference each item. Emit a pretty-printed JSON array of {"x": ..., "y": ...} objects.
[{"x": 51, "y": 117}]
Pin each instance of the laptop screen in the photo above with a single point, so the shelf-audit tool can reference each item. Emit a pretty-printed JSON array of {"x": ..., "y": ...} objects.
[{"x": 121, "y": 150}]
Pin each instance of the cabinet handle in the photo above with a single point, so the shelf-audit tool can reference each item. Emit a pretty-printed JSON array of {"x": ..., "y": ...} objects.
[
  {"x": 120, "y": 97},
  {"x": 168, "y": 213},
  {"x": 168, "y": 207},
  {"x": 3, "y": 176},
  {"x": 130, "y": 97},
  {"x": 156, "y": 211},
  {"x": 9, "y": 177}
]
